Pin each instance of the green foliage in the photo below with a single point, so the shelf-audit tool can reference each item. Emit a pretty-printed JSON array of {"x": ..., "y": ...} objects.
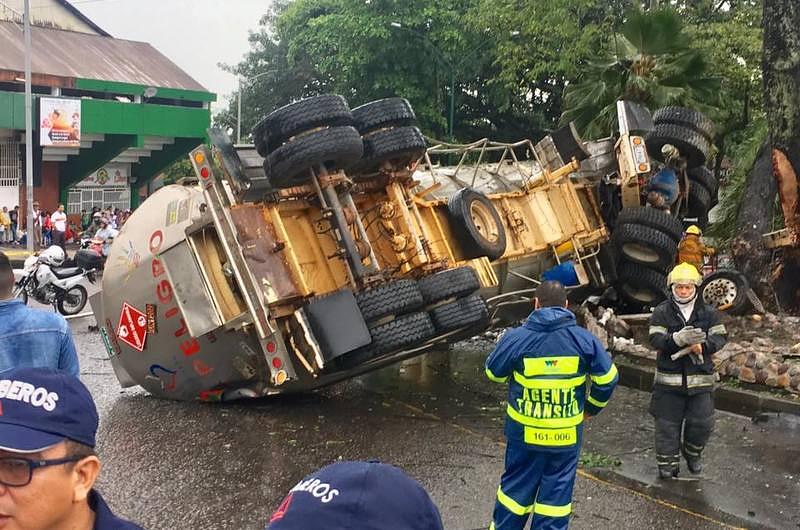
[
  {"x": 179, "y": 169},
  {"x": 589, "y": 460},
  {"x": 557, "y": 38},
  {"x": 510, "y": 61},
  {"x": 744, "y": 156},
  {"x": 356, "y": 49},
  {"x": 731, "y": 42},
  {"x": 651, "y": 61}
]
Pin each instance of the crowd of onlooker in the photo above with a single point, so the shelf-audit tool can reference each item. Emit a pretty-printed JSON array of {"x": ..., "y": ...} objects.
[{"x": 55, "y": 227}]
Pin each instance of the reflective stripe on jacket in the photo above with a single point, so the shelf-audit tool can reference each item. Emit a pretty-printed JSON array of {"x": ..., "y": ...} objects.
[
  {"x": 682, "y": 375},
  {"x": 546, "y": 363}
]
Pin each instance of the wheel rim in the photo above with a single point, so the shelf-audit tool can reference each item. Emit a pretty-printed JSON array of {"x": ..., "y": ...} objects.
[
  {"x": 640, "y": 252},
  {"x": 643, "y": 295},
  {"x": 720, "y": 292},
  {"x": 484, "y": 221},
  {"x": 73, "y": 301}
]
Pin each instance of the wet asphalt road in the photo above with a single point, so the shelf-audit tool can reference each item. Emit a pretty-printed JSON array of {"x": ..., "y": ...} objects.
[{"x": 170, "y": 465}]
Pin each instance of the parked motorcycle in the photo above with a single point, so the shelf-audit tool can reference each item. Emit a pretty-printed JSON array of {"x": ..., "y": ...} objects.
[
  {"x": 46, "y": 281},
  {"x": 90, "y": 255}
]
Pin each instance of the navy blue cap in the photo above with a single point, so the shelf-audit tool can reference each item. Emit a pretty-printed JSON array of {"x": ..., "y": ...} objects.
[
  {"x": 363, "y": 495},
  {"x": 40, "y": 407}
]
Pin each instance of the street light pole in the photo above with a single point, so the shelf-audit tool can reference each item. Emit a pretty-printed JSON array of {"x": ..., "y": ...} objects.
[
  {"x": 452, "y": 68},
  {"x": 28, "y": 128},
  {"x": 239, "y": 99},
  {"x": 452, "y": 104},
  {"x": 238, "y": 109}
]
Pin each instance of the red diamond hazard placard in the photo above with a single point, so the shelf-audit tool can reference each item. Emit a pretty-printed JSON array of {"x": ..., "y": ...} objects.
[{"x": 132, "y": 327}]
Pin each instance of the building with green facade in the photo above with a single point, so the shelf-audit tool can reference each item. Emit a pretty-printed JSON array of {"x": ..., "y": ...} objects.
[{"x": 109, "y": 114}]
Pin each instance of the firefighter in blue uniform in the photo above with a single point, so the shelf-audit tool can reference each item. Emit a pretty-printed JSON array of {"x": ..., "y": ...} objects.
[
  {"x": 686, "y": 332},
  {"x": 546, "y": 362}
]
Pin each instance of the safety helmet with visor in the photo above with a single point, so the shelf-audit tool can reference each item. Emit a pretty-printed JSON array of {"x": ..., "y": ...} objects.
[{"x": 683, "y": 281}]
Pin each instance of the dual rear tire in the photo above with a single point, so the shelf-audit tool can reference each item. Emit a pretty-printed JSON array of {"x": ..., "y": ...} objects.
[{"x": 646, "y": 244}]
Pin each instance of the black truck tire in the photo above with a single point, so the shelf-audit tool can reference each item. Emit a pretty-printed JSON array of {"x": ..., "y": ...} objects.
[
  {"x": 469, "y": 311},
  {"x": 691, "y": 144},
  {"x": 400, "y": 145},
  {"x": 646, "y": 246},
  {"x": 652, "y": 217},
  {"x": 699, "y": 200},
  {"x": 388, "y": 112},
  {"x": 281, "y": 124},
  {"x": 641, "y": 285},
  {"x": 450, "y": 283},
  {"x": 687, "y": 118},
  {"x": 393, "y": 298},
  {"x": 402, "y": 332},
  {"x": 476, "y": 224},
  {"x": 705, "y": 177},
  {"x": 726, "y": 289},
  {"x": 334, "y": 147}
]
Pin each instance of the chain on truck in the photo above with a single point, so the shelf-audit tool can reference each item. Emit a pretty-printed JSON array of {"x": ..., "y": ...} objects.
[{"x": 335, "y": 245}]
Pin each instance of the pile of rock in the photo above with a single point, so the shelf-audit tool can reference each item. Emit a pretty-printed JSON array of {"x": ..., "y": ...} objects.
[
  {"x": 761, "y": 362},
  {"x": 759, "y": 350}
]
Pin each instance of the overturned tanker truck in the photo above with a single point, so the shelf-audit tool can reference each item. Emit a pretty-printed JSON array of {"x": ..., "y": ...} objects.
[{"x": 335, "y": 246}]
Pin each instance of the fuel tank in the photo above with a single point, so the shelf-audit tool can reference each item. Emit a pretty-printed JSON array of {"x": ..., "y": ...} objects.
[{"x": 160, "y": 323}]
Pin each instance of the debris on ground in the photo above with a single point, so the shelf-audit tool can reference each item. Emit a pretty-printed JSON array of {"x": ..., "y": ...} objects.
[{"x": 762, "y": 349}]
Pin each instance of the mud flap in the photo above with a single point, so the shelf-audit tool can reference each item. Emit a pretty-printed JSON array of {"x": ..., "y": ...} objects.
[{"x": 337, "y": 324}]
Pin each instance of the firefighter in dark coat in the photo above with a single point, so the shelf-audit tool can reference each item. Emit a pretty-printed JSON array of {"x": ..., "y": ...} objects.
[{"x": 686, "y": 332}]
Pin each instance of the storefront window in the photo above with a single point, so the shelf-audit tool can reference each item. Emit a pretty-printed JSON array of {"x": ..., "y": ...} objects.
[{"x": 88, "y": 198}]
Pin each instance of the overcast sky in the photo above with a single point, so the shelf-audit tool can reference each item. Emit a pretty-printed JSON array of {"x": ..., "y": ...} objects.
[{"x": 195, "y": 34}]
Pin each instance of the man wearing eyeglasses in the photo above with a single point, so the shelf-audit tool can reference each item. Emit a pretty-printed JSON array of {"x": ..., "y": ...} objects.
[{"x": 48, "y": 466}]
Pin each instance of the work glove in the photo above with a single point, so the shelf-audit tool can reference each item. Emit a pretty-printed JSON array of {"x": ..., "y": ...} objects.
[{"x": 689, "y": 335}]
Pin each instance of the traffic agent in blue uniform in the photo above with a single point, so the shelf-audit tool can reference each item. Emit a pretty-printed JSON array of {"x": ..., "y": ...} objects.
[{"x": 546, "y": 363}]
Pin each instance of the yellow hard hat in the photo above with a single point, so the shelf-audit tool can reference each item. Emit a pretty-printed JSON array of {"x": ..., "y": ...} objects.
[
  {"x": 684, "y": 273},
  {"x": 694, "y": 229}
]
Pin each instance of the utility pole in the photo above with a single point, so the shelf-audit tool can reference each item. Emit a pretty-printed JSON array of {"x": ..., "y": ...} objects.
[{"x": 28, "y": 128}]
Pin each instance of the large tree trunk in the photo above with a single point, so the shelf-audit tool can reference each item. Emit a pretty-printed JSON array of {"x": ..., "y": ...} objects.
[
  {"x": 751, "y": 256},
  {"x": 781, "y": 68}
]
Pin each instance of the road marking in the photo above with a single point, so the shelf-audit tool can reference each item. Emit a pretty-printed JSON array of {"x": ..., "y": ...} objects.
[{"x": 580, "y": 473}]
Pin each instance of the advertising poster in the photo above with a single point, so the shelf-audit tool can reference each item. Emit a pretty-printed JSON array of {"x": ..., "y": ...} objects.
[
  {"x": 108, "y": 175},
  {"x": 59, "y": 122}
]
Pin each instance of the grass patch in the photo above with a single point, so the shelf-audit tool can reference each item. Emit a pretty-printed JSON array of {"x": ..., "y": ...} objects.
[{"x": 589, "y": 460}]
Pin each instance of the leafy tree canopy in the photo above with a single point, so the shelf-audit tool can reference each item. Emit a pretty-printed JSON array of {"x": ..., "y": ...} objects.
[{"x": 510, "y": 61}]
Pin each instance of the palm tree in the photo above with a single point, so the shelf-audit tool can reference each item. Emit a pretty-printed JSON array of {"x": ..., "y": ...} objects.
[{"x": 650, "y": 62}]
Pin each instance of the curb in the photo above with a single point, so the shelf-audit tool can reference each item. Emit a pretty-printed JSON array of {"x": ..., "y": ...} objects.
[
  {"x": 684, "y": 500},
  {"x": 738, "y": 401},
  {"x": 15, "y": 256}
]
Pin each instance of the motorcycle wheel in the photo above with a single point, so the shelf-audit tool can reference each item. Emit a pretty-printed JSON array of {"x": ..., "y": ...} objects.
[{"x": 73, "y": 301}]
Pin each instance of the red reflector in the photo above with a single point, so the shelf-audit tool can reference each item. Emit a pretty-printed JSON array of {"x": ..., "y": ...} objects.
[
  {"x": 277, "y": 363},
  {"x": 204, "y": 172},
  {"x": 271, "y": 347}
]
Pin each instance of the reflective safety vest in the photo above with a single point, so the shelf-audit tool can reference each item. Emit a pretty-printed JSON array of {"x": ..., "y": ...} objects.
[{"x": 547, "y": 362}]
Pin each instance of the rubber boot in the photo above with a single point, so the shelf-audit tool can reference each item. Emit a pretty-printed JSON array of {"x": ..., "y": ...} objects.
[{"x": 668, "y": 442}]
